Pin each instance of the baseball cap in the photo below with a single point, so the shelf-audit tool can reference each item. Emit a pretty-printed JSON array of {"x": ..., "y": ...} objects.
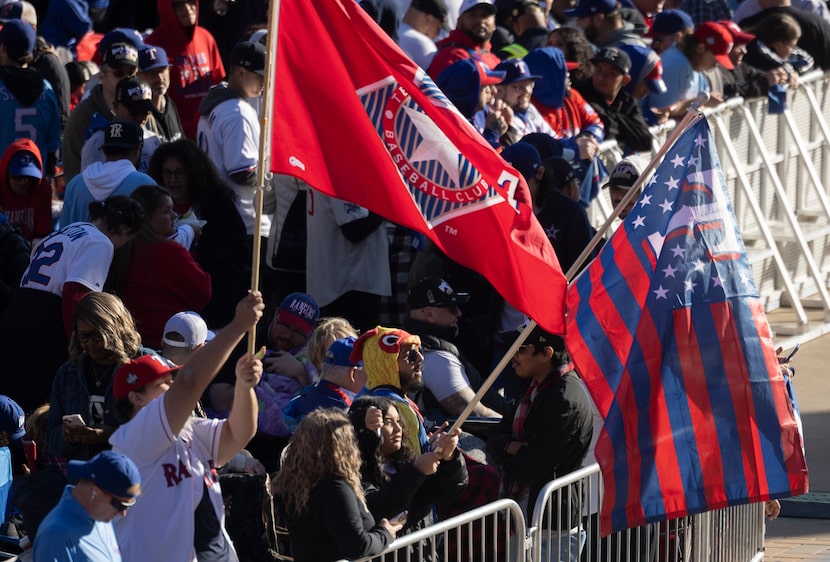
[
  {"x": 585, "y": 8},
  {"x": 717, "y": 39},
  {"x": 537, "y": 336},
  {"x": 300, "y": 310},
  {"x": 137, "y": 373},
  {"x": 435, "y": 8},
  {"x": 562, "y": 171},
  {"x": 615, "y": 57},
  {"x": 250, "y": 56},
  {"x": 12, "y": 418},
  {"x": 339, "y": 353},
  {"x": 24, "y": 163},
  {"x": 434, "y": 291},
  {"x": 120, "y": 35},
  {"x": 470, "y": 4},
  {"x": 122, "y": 134},
  {"x": 524, "y": 157},
  {"x": 151, "y": 57},
  {"x": 135, "y": 94},
  {"x": 120, "y": 54},
  {"x": 186, "y": 329},
  {"x": 11, "y": 11},
  {"x": 626, "y": 172},
  {"x": 113, "y": 472},
  {"x": 739, "y": 36},
  {"x": 516, "y": 70},
  {"x": 645, "y": 66},
  {"x": 18, "y": 38},
  {"x": 668, "y": 22}
]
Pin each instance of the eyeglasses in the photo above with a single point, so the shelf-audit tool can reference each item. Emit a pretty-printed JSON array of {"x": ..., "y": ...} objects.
[
  {"x": 94, "y": 337},
  {"x": 178, "y": 173},
  {"x": 28, "y": 180},
  {"x": 293, "y": 329}
]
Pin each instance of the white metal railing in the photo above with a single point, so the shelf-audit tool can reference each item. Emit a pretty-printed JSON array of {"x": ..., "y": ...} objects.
[
  {"x": 777, "y": 168},
  {"x": 491, "y": 533},
  {"x": 734, "y": 534}
]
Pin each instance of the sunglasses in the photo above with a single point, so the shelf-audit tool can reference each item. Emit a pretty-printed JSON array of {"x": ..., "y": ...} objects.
[
  {"x": 413, "y": 356},
  {"x": 95, "y": 337},
  {"x": 120, "y": 505}
]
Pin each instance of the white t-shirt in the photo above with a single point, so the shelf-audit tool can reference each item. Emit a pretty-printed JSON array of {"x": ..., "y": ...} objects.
[
  {"x": 334, "y": 265},
  {"x": 444, "y": 374},
  {"x": 416, "y": 45},
  {"x": 173, "y": 469},
  {"x": 78, "y": 253}
]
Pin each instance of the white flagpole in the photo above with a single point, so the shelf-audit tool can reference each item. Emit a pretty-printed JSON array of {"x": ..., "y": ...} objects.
[
  {"x": 691, "y": 117},
  {"x": 264, "y": 159}
]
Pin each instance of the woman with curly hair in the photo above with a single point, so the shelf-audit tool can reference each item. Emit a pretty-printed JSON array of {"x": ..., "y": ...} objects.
[
  {"x": 577, "y": 49},
  {"x": 104, "y": 338},
  {"x": 394, "y": 478},
  {"x": 319, "y": 492},
  {"x": 222, "y": 249}
]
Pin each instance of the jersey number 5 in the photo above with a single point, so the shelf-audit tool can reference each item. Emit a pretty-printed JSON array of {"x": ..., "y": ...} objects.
[
  {"x": 46, "y": 255},
  {"x": 22, "y": 128}
]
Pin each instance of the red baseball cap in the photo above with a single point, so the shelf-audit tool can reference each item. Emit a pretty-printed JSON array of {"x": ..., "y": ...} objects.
[
  {"x": 137, "y": 373},
  {"x": 739, "y": 36},
  {"x": 717, "y": 39}
]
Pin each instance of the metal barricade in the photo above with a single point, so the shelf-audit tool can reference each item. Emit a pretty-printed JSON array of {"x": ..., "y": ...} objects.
[
  {"x": 734, "y": 534},
  {"x": 495, "y": 532}
]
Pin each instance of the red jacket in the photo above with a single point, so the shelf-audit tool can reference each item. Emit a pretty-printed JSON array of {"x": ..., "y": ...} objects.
[
  {"x": 31, "y": 213},
  {"x": 575, "y": 116},
  {"x": 162, "y": 279},
  {"x": 458, "y": 46},
  {"x": 196, "y": 62}
]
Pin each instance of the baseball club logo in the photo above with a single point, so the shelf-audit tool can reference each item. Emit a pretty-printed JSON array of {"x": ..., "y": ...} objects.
[
  {"x": 442, "y": 182},
  {"x": 132, "y": 378},
  {"x": 116, "y": 130},
  {"x": 140, "y": 92}
]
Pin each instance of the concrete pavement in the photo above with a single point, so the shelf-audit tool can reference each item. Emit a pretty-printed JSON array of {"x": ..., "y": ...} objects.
[{"x": 790, "y": 538}]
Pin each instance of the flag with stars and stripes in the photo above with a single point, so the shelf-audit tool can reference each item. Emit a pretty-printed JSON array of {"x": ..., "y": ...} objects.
[
  {"x": 358, "y": 120},
  {"x": 667, "y": 329}
]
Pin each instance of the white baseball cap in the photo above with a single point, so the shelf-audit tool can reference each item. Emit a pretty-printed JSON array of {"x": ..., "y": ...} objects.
[
  {"x": 470, "y": 4},
  {"x": 186, "y": 329}
]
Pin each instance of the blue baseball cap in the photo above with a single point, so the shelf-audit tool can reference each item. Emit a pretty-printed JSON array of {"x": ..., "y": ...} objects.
[
  {"x": 11, "y": 418},
  {"x": 524, "y": 157},
  {"x": 585, "y": 8},
  {"x": 668, "y": 22},
  {"x": 113, "y": 472},
  {"x": 151, "y": 57},
  {"x": 515, "y": 70},
  {"x": 339, "y": 353},
  {"x": 24, "y": 163},
  {"x": 18, "y": 38}
]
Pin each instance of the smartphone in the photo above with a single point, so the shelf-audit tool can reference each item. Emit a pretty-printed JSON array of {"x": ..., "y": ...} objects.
[
  {"x": 792, "y": 353},
  {"x": 400, "y": 518},
  {"x": 74, "y": 420}
]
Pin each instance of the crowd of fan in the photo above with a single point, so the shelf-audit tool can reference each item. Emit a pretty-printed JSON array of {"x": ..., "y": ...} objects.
[{"x": 127, "y": 191}]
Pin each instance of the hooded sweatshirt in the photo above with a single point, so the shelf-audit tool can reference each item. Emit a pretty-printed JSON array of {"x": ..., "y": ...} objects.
[
  {"x": 197, "y": 64},
  {"x": 31, "y": 213},
  {"x": 66, "y": 22},
  {"x": 458, "y": 46},
  {"x": 41, "y": 119},
  {"x": 564, "y": 109},
  {"x": 97, "y": 182}
]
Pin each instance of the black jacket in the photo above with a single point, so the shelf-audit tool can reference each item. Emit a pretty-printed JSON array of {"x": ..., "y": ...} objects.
[
  {"x": 623, "y": 118},
  {"x": 559, "y": 427}
]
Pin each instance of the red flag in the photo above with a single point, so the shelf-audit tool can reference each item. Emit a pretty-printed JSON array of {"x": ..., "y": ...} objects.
[{"x": 358, "y": 120}]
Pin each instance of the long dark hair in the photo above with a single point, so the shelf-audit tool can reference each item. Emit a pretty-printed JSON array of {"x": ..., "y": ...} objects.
[
  {"x": 203, "y": 180},
  {"x": 117, "y": 211},
  {"x": 368, "y": 442}
]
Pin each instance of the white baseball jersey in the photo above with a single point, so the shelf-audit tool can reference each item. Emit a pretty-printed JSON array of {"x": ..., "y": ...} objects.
[
  {"x": 78, "y": 252},
  {"x": 173, "y": 470},
  {"x": 229, "y": 135}
]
